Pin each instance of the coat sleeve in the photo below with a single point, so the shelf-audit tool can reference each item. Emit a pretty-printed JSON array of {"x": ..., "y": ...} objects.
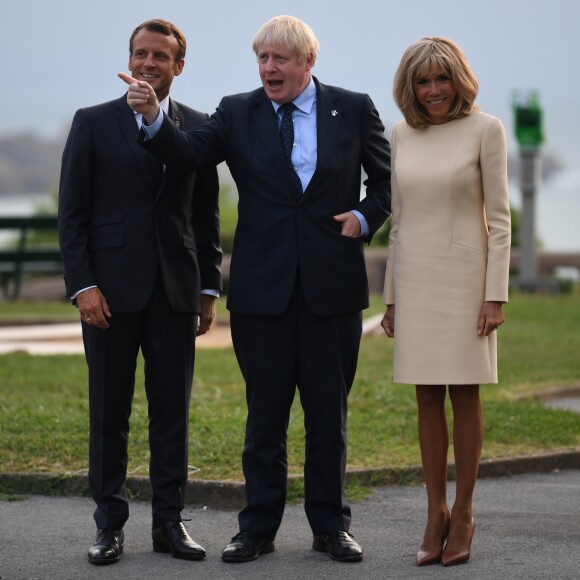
[
  {"x": 376, "y": 162},
  {"x": 389, "y": 289},
  {"x": 203, "y": 147},
  {"x": 206, "y": 226},
  {"x": 493, "y": 161},
  {"x": 74, "y": 205}
]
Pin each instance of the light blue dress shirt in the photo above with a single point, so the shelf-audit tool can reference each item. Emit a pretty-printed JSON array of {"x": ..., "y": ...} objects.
[{"x": 305, "y": 149}]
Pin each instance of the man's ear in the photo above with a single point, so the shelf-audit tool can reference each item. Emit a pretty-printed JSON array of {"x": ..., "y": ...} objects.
[{"x": 178, "y": 68}]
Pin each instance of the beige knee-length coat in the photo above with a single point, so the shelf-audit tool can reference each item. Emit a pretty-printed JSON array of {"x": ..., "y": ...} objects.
[{"x": 448, "y": 248}]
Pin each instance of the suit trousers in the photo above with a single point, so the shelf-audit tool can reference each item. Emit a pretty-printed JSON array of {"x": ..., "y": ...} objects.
[
  {"x": 318, "y": 355},
  {"x": 167, "y": 341}
]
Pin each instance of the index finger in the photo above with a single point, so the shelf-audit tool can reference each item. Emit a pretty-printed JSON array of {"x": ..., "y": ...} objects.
[{"x": 127, "y": 78}]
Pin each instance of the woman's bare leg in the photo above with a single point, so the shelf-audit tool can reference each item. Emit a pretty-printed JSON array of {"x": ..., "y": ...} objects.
[
  {"x": 434, "y": 444},
  {"x": 467, "y": 443}
]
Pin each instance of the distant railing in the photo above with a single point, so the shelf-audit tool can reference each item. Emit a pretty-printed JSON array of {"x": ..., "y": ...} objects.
[
  {"x": 24, "y": 258},
  {"x": 549, "y": 261}
]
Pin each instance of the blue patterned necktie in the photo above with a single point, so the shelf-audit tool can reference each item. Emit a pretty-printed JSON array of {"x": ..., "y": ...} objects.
[{"x": 287, "y": 136}]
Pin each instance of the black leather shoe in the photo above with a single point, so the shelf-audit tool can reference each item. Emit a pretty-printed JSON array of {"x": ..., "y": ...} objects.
[
  {"x": 108, "y": 547},
  {"x": 245, "y": 547},
  {"x": 173, "y": 537},
  {"x": 340, "y": 546}
]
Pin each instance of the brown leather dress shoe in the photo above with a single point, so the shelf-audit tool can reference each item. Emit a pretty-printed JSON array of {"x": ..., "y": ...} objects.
[
  {"x": 340, "y": 546},
  {"x": 245, "y": 547},
  {"x": 107, "y": 548},
  {"x": 173, "y": 537}
]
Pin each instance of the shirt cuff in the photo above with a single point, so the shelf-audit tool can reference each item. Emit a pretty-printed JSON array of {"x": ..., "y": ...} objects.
[
  {"x": 73, "y": 297},
  {"x": 153, "y": 129},
  {"x": 214, "y": 293},
  {"x": 364, "y": 226}
]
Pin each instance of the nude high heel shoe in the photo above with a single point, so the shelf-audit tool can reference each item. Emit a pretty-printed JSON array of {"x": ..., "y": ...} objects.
[
  {"x": 426, "y": 557},
  {"x": 453, "y": 558}
]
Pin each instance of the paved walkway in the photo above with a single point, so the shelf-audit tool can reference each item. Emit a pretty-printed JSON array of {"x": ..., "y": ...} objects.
[
  {"x": 66, "y": 338},
  {"x": 527, "y": 527}
]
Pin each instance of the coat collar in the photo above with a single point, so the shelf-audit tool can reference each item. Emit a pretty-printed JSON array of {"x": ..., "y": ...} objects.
[{"x": 328, "y": 118}]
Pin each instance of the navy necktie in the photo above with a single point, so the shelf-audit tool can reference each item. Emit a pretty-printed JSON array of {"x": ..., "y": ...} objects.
[{"x": 287, "y": 136}]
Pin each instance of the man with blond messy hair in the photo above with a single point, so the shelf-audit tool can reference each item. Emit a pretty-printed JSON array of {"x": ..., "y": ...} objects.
[{"x": 298, "y": 283}]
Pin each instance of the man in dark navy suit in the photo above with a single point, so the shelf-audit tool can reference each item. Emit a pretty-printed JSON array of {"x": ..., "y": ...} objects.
[
  {"x": 298, "y": 283},
  {"x": 141, "y": 250}
]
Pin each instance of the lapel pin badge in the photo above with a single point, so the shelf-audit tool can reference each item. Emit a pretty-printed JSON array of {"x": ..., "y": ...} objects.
[
  {"x": 334, "y": 112},
  {"x": 177, "y": 121}
]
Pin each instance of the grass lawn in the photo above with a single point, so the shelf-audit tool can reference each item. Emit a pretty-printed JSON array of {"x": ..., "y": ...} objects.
[
  {"x": 32, "y": 311},
  {"x": 44, "y": 407}
]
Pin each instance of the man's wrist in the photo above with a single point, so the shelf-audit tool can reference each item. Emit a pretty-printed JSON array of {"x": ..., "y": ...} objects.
[
  {"x": 75, "y": 295},
  {"x": 152, "y": 116}
]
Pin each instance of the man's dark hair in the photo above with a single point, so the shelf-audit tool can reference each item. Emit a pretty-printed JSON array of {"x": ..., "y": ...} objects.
[{"x": 163, "y": 27}]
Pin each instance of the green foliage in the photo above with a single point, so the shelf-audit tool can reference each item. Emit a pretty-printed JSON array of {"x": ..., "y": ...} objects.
[
  {"x": 228, "y": 217},
  {"x": 516, "y": 219},
  {"x": 381, "y": 238},
  {"x": 34, "y": 311}
]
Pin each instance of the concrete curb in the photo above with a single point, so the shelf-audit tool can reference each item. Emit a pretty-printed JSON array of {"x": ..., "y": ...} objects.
[{"x": 230, "y": 495}]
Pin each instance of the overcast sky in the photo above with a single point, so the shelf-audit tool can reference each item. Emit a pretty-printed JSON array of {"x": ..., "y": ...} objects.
[{"x": 59, "y": 55}]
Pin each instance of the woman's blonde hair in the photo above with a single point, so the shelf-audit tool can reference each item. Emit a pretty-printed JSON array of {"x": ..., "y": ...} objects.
[
  {"x": 422, "y": 57},
  {"x": 288, "y": 31}
]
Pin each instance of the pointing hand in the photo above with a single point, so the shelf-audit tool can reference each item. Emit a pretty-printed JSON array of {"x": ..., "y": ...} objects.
[{"x": 141, "y": 98}]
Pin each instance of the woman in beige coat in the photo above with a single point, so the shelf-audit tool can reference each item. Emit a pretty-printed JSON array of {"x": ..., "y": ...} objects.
[{"x": 447, "y": 272}]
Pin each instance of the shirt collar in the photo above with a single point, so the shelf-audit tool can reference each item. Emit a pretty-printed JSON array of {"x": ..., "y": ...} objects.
[
  {"x": 305, "y": 100},
  {"x": 164, "y": 104}
]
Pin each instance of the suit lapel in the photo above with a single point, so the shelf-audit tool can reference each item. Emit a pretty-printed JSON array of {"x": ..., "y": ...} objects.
[
  {"x": 328, "y": 119},
  {"x": 126, "y": 118},
  {"x": 175, "y": 114},
  {"x": 266, "y": 124}
]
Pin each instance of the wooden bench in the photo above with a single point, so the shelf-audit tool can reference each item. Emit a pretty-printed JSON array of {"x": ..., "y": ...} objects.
[{"x": 22, "y": 257}]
